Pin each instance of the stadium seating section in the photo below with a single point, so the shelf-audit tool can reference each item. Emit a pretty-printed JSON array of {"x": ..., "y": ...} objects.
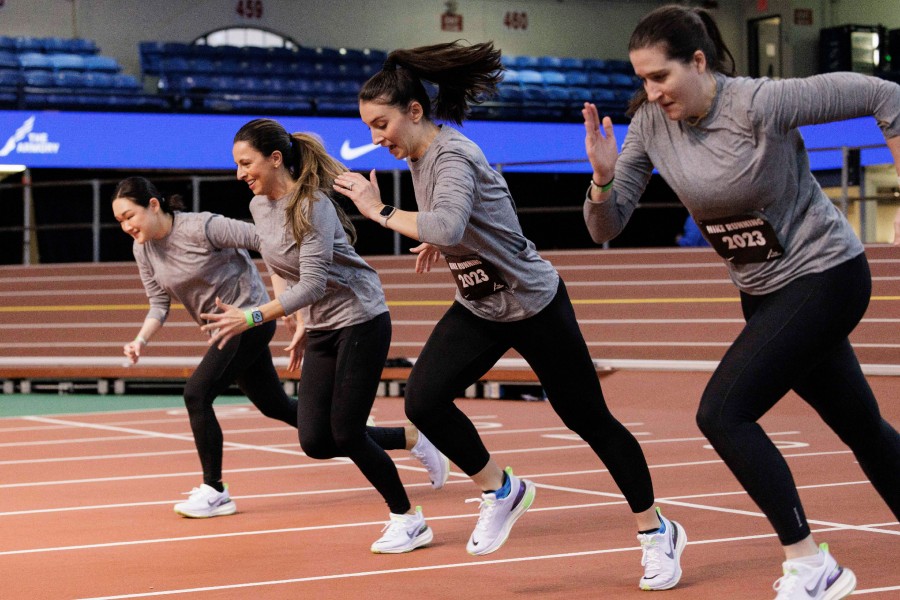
[{"x": 71, "y": 74}]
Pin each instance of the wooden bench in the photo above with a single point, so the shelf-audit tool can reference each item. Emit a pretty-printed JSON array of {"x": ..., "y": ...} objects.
[{"x": 69, "y": 375}]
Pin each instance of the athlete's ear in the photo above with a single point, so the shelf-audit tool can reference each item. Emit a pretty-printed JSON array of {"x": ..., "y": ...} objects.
[{"x": 415, "y": 111}]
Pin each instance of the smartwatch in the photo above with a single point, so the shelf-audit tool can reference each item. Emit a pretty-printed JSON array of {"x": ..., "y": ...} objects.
[
  {"x": 254, "y": 317},
  {"x": 386, "y": 213}
]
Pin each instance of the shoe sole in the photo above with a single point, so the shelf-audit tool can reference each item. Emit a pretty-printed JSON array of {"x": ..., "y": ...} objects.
[
  {"x": 438, "y": 485},
  {"x": 517, "y": 512},
  {"x": 679, "y": 548},
  {"x": 841, "y": 588},
  {"x": 417, "y": 542},
  {"x": 220, "y": 511}
]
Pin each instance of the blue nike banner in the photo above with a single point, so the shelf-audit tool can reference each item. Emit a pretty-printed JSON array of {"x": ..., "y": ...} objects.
[{"x": 201, "y": 142}]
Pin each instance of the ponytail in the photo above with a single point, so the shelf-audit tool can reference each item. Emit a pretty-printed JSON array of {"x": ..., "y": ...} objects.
[{"x": 464, "y": 75}]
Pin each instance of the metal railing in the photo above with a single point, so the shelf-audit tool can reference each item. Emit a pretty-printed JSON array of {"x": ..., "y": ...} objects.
[{"x": 29, "y": 228}]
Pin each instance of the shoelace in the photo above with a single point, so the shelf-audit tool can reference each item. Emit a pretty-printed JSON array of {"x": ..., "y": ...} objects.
[
  {"x": 394, "y": 526},
  {"x": 486, "y": 512},
  {"x": 786, "y": 582},
  {"x": 651, "y": 550}
]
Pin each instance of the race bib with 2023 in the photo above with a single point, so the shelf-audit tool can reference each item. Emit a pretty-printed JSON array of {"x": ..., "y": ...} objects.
[
  {"x": 474, "y": 276},
  {"x": 742, "y": 239}
]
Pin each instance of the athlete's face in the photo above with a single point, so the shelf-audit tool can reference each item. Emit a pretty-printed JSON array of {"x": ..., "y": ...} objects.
[
  {"x": 397, "y": 130},
  {"x": 681, "y": 89},
  {"x": 260, "y": 173},
  {"x": 141, "y": 223}
]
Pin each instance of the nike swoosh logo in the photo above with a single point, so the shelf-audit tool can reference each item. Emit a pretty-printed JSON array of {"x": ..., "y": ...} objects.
[
  {"x": 814, "y": 592},
  {"x": 350, "y": 153}
]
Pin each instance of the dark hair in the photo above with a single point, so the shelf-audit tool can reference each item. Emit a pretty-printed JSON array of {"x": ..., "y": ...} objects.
[
  {"x": 463, "y": 75},
  {"x": 680, "y": 31},
  {"x": 140, "y": 190},
  {"x": 311, "y": 167}
]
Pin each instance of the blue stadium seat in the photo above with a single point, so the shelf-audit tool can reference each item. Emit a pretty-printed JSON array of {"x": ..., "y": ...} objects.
[
  {"x": 526, "y": 62},
  {"x": 80, "y": 46},
  {"x": 98, "y": 80},
  {"x": 571, "y": 64},
  {"x": 34, "y": 60},
  {"x": 549, "y": 63},
  {"x": 98, "y": 62},
  {"x": 10, "y": 78},
  {"x": 38, "y": 78},
  {"x": 530, "y": 76},
  {"x": 596, "y": 65},
  {"x": 68, "y": 79},
  {"x": 69, "y": 62},
  {"x": 26, "y": 43},
  {"x": 8, "y": 60},
  {"x": 173, "y": 65},
  {"x": 124, "y": 82},
  {"x": 577, "y": 78},
  {"x": 554, "y": 78},
  {"x": 619, "y": 66},
  {"x": 599, "y": 80},
  {"x": 620, "y": 80},
  {"x": 580, "y": 95},
  {"x": 510, "y": 76},
  {"x": 7, "y": 44}
]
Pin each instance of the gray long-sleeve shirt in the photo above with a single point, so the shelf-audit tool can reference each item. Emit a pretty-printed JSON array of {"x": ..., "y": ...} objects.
[
  {"x": 190, "y": 266},
  {"x": 747, "y": 156},
  {"x": 465, "y": 208},
  {"x": 329, "y": 283}
]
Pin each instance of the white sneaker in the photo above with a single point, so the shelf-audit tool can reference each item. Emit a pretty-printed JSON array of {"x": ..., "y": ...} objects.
[
  {"x": 403, "y": 533},
  {"x": 497, "y": 515},
  {"x": 661, "y": 557},
  {"x": 206, "y": 501},
  {"x": 437, "y": 465},
  {"x": 802, "y": 581}
]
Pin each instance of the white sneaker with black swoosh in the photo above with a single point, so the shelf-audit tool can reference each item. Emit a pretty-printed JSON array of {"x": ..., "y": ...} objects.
[
  {"x": 662, "y": 555},
  {"x": 403, "y": 533},
  {"x": 804, "y": 581},
  {"x": 497, "y": 515},
  {"x": 205, "y": 501}
]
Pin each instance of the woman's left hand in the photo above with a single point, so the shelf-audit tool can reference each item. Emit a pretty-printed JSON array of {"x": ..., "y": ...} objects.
[
  {"x": 363, "y": 192},
  {"x": 224, "y": 325}
]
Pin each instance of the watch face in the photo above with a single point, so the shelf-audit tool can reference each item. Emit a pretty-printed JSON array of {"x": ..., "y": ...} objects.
[
  {"x": 257, "y": 316},
  {"x": 387, "y": 211}
]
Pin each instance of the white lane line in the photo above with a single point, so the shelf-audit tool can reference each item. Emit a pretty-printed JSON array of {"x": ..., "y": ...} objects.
[{"x": 472, "y": 564}]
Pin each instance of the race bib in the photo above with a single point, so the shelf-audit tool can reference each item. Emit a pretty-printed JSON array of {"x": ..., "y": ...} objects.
[
  {"x": 474, "y": 276},
  {"x": 742, "y": 239}
]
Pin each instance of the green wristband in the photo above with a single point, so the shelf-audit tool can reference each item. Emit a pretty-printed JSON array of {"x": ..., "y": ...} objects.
[
  {"x": 254, "y": 317},
  {"x": 605, "y": 187}
]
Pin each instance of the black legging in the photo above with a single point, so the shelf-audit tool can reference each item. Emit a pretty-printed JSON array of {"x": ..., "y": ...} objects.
[
  {"x": 463, "y": 347},
  {"x": 244, "y": 360},
  {"x": 247, "y": 361},
  {"x": 797, "y": 338},
  {"x": 341, "y": 372}
]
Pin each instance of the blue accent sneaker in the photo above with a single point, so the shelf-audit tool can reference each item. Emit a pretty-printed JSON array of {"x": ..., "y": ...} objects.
[
  {"x": 497, "y": 515},
  {"x": 802, "y": 581},
  {"x": 662, "y": 555}
]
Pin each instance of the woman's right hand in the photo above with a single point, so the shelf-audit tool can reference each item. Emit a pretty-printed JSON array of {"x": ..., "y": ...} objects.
[
  {"x": 133, "y": 350},
  {"x": 600, "y": 144},
  {"x": 426, "y": 256}
]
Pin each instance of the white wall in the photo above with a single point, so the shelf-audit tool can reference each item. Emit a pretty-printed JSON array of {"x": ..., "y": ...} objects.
[
  {"x": 585, "y": 28},
  {"x": 581, "y": 28}
]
